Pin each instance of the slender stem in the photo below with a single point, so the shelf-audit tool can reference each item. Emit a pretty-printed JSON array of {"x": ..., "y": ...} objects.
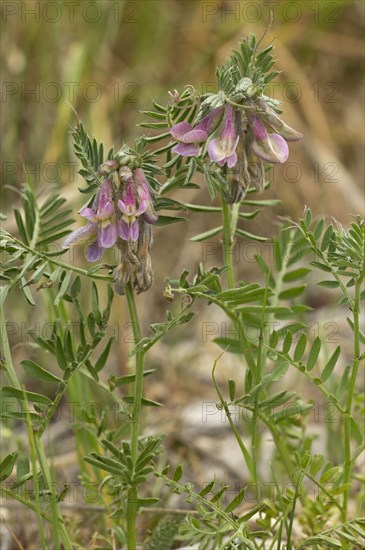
[
  {"x": 244, "y": 451},
  {"x": 33, "y": 457},
  {"x": 236, "y": 319},
  {"x": 196, "y": 496},
  {"x": 261, "y": 361},
  {"x": 280, "y": 445},
  {"x": 228, "y": 243},
  {"x": 350, "y": 395},
  {"x": 332, "y": 500},
  {"x": 60, "y": 393},
  {"x": 23, "y": 501},
  {"x": 311, "y": 378},
  {"x": 56, "y": 512},
  {"x": 8, "y": 363},
  {"x": 138, "y": 388},
  {"x": 53, "y": 261},
  {"x": 291, "y": 519},
  {"x": 264, "y": 338},
  {"x": 230, "y": 218}
]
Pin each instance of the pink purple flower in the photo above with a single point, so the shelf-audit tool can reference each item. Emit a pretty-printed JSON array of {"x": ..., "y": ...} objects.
[
  {"x": 271, "y": 147},
  {"x": 136, "y": 201},
  {"x": 191, "y": 138},
  {"x": 222, "y": 150},
  {"x": 144, "y": 196},
  {"x": 100, "y": 232},
  {"x": 128, "y": 226},
  {"x": 273, "y": 120}
]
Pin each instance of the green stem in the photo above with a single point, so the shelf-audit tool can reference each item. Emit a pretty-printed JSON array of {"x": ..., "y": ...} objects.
[
  {"x": 311, "y": 379},
  {"x": 280, "y": 445},
  {"x": 230, "y": 218},
  {"x": 36, "y": 484},
  {"x": 245, "y": 453},
  {"x": 262, "y": 350},
  {"x": 8, "y": 363},
  {"x": 60, "y": 393},
  {"x": 292, "y": 512},
  {"x": 350, "y": 395},
  {"x": 25, "y": 502},
  {"x": 56, "y": 512},
  {"x": 138, "y": 388},
  {"x": 228, "y": 243},
  {"x": 235, "y": 318},
  {"x": 261, "y": 361},
  {"x": 58, "y": 263}
]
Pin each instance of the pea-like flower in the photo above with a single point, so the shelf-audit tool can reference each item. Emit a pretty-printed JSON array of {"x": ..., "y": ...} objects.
[
  {"x": 271, "y": 147},
  {"x": 144, "y": 195},
  {"x": 101, "y": 231},
  {"x": 222, "y": 150},
  {"x": 191, "y": 138},
  {"x": 87, "y": 234},
  {"x": 128, "y": 226}
]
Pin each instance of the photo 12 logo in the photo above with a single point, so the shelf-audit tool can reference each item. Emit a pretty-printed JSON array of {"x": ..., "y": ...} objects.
[
  {"x": 253, "y": 12},
  {"x": 54, "y": 92},
  {"x": 37, "y": 11}
]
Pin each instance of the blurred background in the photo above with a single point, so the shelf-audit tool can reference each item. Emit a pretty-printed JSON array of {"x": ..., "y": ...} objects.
[{"x": 110, "y": 58}]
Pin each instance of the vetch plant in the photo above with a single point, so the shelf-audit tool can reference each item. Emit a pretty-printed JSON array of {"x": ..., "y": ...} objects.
[{"x": 227, "y": 137}]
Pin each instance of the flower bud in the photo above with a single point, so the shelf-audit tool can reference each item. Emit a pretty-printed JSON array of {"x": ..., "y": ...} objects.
[
  {"x": 125, "y": 174},
  {"x": 107, "y": 167}
]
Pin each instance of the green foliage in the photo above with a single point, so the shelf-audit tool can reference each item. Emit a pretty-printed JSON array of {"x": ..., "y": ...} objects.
[
  {"x": 91, "y": 156},
  {"x": 164, "y": 533},
  {"x": 350, "y": 532},
  {"x": 31, "y": 258},
  {"x": 123, "y": 472}
]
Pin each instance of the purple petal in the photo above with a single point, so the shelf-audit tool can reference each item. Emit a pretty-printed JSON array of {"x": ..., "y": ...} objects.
[
  {"x": 94, "y": 252},
  {"x": 259, "y": 130},
  {"x": 108, "y": 236},
  {"x": 80, "y": 235},
  {"x": 122, "y": 207},
  {"x": 134, "y": 231},
  {"x": 142, "y": 185},
  {"x": 180, "y": 129},
  {"x": 216, "y": 150},
  {"x": 209, "y": 122},
  {"x": 274, "y": 149},
  {"x": 142, "y": 208},
  {"x": 129, "y": 198},
  {"x": 186, "y": 149},
  {"x": 150, "y": 215},
  {"x": 194, "y": 136},
  {"x": 107, "y": 211},
  {"x": 106, "y": 194},
  {"x": 228, "y": 130},
  {"x": 88, "y": 213},
  {"x": 232, "y": 160},
  {"x": 123, "y": 230}
]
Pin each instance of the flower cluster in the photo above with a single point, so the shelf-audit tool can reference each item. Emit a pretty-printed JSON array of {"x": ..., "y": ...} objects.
[
  {"x": 120, "y": 214},
  {"x": 239, "y": 138}
]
